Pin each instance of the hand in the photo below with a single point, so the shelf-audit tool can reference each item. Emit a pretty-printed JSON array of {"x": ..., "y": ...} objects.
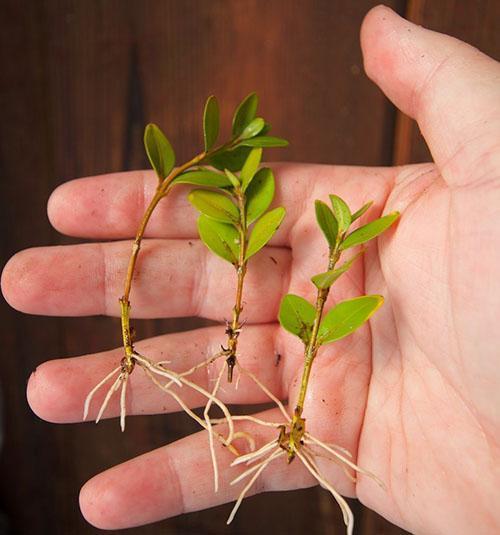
[{"x": 416, "y": 395}]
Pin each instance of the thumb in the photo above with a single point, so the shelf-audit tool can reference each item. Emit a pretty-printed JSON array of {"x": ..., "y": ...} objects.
[{"x": 449, "y": 87}]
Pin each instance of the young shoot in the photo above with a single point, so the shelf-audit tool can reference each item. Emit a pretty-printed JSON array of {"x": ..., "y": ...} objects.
[
  {"x": 235, "y": 222},
  {"x": 308, "y": 321},
  {"x": 248, "y": 133}
]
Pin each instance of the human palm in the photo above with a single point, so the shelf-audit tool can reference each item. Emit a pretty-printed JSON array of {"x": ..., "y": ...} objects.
[{"x": 414, "y": 395}]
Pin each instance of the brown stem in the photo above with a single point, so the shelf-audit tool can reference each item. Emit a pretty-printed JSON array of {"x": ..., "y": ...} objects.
[
  {"x": 234, "y": 329},
  {"x": 161, "y": 191}
]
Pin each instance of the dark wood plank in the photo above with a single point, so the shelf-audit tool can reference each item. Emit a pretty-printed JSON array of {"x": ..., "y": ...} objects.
[
  {"x": 472, "y": 21},
  {"x": 80, "y": 79}
]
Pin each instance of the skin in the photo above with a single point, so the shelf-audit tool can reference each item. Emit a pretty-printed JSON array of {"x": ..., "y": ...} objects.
[{"x": 415, "y": 396}]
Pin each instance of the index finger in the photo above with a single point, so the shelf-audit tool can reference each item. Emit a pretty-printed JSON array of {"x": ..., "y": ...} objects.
[{"x": 111, "y": 206}]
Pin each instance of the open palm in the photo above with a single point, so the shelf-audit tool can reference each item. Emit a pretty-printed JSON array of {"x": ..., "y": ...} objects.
[{"x": 415, "y": 395}]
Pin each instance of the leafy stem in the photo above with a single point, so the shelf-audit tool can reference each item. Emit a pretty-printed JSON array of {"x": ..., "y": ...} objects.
[
  {"x": 306, "y": 321},
  {"x": 241, "y": 269},
  {"x": 313, "y": 345}
]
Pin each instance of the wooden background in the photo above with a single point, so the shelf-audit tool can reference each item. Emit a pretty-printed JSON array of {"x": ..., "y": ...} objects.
[{"x": 80, "y": 78}]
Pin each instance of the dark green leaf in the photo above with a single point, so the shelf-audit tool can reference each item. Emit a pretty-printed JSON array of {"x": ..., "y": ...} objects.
[
  {"x": 159, "y": 151},
  {"x": 221, "y": 238},
  {"x": 231, "y": 159},
  {"x": 214, "y": 205},
  {"x": 296, "y": 315},
  {"x": 264, "y": 141},
  {"x": 266, "y": 129},
  {"x": 369, "y": 231},
  {"x": 253, "y": 128},
  {"x": 325, "y": 280},
  {"x": 347, "y": 316},
  {"x": 341, "y": 212},
  {"x": 263, "y": 230},
  {"x": 245, "y": 113},
  {"x": 327, "y": 222},
  {"x": 210, "y": 122},
  {"x": 250, "y": 167},
  {"x": 203, "y": 178},
  {"x": 361, "y": 211},
  {"x": 259, "y": 194}
]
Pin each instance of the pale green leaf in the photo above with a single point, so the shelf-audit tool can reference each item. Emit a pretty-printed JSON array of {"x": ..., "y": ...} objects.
[
  {"x": 235, "y": 181},
  {"x": 263, "y": 230},
  {"x": 203, "y": 177},
  {"x": 259, "y": 194},
  {"x": 210, "y": 122},
  {"x": 160, "y": 153},
  {"x": 327, "y": 222},
  {"x": 361, "y": 211},
  {"x": 221, "y": 238},
  {"x": 214, "y": 205},
  {"x": 326, "y": 279},
  {"x": 347, "y": 316},
  {"x": 245, "y": 113},
  {"x": 296, "y": 315},
  {"x": 264, "y": 141},
  {"x": 250, "y": 167},
  {"x": 253, "y": 128},
  {"x": 341, "y": 212},
  {"x": 369, "y": 231}
]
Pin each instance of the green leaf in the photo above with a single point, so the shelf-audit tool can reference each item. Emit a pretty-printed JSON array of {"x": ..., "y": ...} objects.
[
  {"x": 253, "y": 128},
  {"x": 235, "y": 181},
  {"x": 231, "y": 159},
  {"x": 369, "y": 231},
  {"x": 159, "y": 151},
  {"x": 296, "y": 315},
  {"x": 245, "y": 113},
  {"x": 259, "y": 194},
  {"x": 341, "y": 212},
  {"x": 203, "y": 178},
  {"x": 326, "y": 279},
  {"x": 264, "y": 141},
  {"x": 250, "y": 167},
  {"x": 221, "y": 238},
  {"x": 327, "y": 222},
  {"x": 263, "y": 230},
  {"x": 347, "y": 316},
  {"x": 210, "y": 122},
  {"x": 361, "y": 211},
  {"x": 214, "y": 205}
]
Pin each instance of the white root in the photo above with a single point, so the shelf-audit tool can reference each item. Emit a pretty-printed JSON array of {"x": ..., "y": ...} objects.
[
  {"x": 264, "y": 389},
  {"x": 252, "y": 469},
  {"x": 247, "y": 417},
  {"x": 112, "y": 389},
  {"x": 250, "y": 483},
  {"x": 123, "y": 407},
  {"x": 227, "y": 415},
  {"x": 309, "y": 439},
  {"x": 251, "y": 457},
  {"x": 346, "y": 511},
  {"x": 90, "y": 395},
  {"x": 206, "y": 416},
  {"x": 245, "y": 436}
]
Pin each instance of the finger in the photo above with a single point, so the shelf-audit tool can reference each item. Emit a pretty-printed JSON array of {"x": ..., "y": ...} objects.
[
  {"x": 449, "y": 87},
  {"x": 177, "y": 479},
  {"x": 173, "y": 278},
  {"x": 57, "y": 389},
  {"x": 111, "y": 206}
]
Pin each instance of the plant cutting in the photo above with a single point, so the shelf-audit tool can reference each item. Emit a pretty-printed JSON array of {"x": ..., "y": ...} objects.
[
  {"x": 241, "y": 152},
  {"x": 315, "y": 328}
]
